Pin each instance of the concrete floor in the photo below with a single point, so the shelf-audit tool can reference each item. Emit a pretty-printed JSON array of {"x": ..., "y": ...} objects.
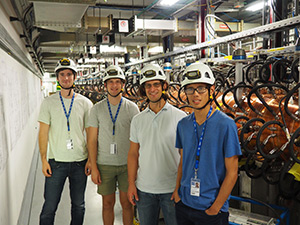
[
  {"x": 93, "y": 200},
  {"x": 93, "y": 214}
]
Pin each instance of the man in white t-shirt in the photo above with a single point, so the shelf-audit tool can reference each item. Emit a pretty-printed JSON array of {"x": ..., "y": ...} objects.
[
  {"x": 152, "y": 158},
  {"x": 63, "y": 119}
]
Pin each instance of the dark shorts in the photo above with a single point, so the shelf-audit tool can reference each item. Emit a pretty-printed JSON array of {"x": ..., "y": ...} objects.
[{"x": 186, "y": 215}]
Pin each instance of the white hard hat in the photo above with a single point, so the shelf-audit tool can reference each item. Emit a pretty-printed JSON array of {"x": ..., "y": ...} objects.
[
  {"x": 152, "y": 72},
  {"x": 198, "y": 73},
  {"x": 113, "y": 72},
  {"x": 66, "y": 63}
]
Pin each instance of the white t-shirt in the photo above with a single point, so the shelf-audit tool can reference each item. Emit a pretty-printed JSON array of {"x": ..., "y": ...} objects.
[
  {"x": 158, "y": 157},
  {"x": 52, "y": 113}
]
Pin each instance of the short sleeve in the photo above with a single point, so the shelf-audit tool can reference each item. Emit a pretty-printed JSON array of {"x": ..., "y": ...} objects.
[
  {"x": 133, "y": 131},
  {"x": 93, "y": 120},
  {"x": 231, "y": 142},
  {"x": 87, "y": 111},
  {"x": 44, "y": 115},
  {"x": 178, "y": 143},
  {"x": 134, "y": 110}
]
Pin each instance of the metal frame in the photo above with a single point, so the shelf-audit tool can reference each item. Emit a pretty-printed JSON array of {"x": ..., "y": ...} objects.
[
  {"x": 285, "y": 211},
  {"x": 250, "y": 55},
  {"x": 277, "y": 26},
  {"x": 140, "y": 25},
  {"x": 30, "y": 44},
  {"x": 11, "y": 48}
]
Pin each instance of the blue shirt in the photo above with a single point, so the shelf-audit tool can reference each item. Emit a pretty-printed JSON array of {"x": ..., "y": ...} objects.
[{"x": 220, "y": 140}]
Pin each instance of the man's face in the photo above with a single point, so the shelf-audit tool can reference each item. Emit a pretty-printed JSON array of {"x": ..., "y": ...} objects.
[
  {"x": 197, "y": 94},
  {"x": 66, "y": 78},
  {"x": 153, "y": 90},
  {"x": 114, "y": 86}
]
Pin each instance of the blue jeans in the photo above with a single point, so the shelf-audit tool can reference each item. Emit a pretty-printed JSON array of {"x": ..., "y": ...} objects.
[
  {"x": 54, "y": 186},
  {"x": 186, "y": 215},
  {"x": 149, "y": 206}
]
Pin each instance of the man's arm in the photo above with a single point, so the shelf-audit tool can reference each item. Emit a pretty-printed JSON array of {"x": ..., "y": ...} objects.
[
  {"x": 175, "y": 195},
  {"x": 87, "y": 168},
  {"x": 43, "y": 144},
  {"x": 132, "y": 167},
  {"x": 231, "y": 165},
  {"x": 92, "y": 142}
]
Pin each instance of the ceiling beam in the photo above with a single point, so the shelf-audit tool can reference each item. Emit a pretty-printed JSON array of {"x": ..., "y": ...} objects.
[{"x": 90, "y": 2}]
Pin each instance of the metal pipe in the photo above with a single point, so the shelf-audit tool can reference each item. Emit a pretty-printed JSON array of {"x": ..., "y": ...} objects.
[{"x": 25, "y": 32}]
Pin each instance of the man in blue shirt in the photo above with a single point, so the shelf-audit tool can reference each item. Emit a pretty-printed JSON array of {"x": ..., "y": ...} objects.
[{"x": 209, "y": 149}]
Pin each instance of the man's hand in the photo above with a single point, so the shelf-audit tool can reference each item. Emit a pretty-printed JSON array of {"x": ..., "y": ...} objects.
[
  {"x": 88, "y": 168},
  {"x": 175, "y": 196},
  {"x": 132, "y": 194},
  {"x": 96, "y": 178},
  {"x": 211, "y": 212},
  {"x": 46, "y": 168}
]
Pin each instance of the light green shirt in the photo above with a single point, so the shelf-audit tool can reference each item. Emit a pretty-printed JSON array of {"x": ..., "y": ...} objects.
[
  {"x": 100, "y": 118},
  {"x": 52, "y": 113}
]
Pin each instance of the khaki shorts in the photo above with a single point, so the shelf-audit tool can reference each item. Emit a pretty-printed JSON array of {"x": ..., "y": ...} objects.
[{"x": 112, "y": 177}]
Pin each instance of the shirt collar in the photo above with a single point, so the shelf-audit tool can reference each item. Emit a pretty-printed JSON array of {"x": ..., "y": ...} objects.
[{"x": 166, "y": 107}]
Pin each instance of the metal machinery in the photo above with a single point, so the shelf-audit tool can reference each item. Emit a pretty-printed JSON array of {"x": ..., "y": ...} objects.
[
  {"x": 257, "y": 84},
  {"x": 259, "y": 90},
  {"x": 240, "y": 217}
]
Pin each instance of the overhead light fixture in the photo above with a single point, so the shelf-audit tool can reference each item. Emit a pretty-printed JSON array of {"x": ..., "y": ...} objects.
[
  {"x": 255, "y": 7},
  {"x": 168, "y": 2},
  {"x": 156, "y": 50}
]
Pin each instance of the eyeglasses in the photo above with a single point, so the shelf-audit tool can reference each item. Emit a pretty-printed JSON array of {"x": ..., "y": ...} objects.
[
  {"x": 192, "y": 75},
  {"x": 149, "y": 73},
  {"x": 155, "y": 85},
  {"x": 200, "y": 90},
  {"x": 65, "y": 62},
  {"x": 112, "y": 72}
]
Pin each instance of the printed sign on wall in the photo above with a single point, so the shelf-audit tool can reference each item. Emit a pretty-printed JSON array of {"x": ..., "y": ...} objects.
[{"x": 123, "y": 26}]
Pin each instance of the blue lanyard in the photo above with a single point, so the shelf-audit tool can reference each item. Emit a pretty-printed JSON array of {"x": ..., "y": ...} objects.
[
  {"x": 67, "y": 115},
  {"x": 111, "y": 116},
  {"x": 200, "y": 141}
]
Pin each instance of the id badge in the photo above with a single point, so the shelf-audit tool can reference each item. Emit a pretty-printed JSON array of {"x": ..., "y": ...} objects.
[
  {"x": 113, "y": 148},
  {"x": 70, "y": 144},
  {"x": 195, "y": 187}
]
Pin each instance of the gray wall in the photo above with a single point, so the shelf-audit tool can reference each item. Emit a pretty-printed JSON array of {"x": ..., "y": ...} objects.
[{"x": 20, "y": 98}]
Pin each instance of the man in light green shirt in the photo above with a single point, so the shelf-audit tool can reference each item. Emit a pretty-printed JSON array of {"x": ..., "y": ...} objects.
[
  {"x": 108, "y": 144},
  {"x": 63, "y": 119}
]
